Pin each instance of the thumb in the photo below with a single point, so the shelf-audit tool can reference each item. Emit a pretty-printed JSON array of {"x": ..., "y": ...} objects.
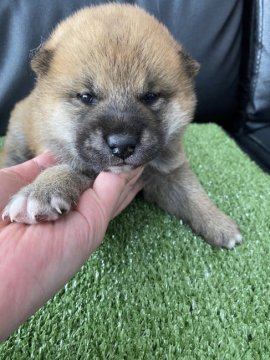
[
  {"x": 108, "y": 193},
  {"x": 30, "y": 169}
]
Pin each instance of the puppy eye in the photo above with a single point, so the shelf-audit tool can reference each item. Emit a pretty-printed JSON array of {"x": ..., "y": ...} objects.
[
  {"x": 87, "y": 98},
  {"x": 150, "y": 98}
]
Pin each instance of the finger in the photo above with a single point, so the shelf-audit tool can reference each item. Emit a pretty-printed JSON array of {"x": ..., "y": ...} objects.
[
  {"x": 131, "y": 177},
  {"x": 128, "y": 198},
  {"x": 111, "y": 187},
  {"x": 102, "y": 200},
  {"x": 30, "y": 169}
]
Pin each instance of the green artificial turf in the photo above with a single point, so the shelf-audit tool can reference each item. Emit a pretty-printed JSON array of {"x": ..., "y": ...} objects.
[{"x": 154, "y": 290}]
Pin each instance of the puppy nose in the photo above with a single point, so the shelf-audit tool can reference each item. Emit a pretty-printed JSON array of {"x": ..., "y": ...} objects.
[{"x": 122, "y": 145}]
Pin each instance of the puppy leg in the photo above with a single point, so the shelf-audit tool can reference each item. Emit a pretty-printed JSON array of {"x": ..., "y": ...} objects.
[
  {"x": 16, "y": 149},
  {"x": 180, "y": 194},
  {"x": 51, "y": 195}
]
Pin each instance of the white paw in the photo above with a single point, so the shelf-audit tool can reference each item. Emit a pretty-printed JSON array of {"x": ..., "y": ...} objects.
[
  {"x": 233, "y": 241},
  {"x": 25, "y": 209},
  {"x": 223, "y": 232}
]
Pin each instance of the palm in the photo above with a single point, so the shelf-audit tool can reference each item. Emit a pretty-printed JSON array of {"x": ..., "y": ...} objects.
[{"x": 37, "y": 260}]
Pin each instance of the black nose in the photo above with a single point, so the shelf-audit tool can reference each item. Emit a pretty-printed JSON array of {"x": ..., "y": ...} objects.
[{"x": 122, "y": 145}]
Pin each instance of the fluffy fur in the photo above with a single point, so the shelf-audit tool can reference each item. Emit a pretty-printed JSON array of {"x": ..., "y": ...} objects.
[{"x": 114, "y": 91}]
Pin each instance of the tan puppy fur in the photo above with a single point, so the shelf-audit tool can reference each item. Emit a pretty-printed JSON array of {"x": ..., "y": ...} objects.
[{"x": 114, "y": 91}]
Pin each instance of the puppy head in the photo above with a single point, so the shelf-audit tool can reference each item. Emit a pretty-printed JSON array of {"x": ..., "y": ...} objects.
[{"x": 117, "y": 86}]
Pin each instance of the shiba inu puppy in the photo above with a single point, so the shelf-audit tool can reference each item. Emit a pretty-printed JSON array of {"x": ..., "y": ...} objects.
[{"x": 114, "y": 91}]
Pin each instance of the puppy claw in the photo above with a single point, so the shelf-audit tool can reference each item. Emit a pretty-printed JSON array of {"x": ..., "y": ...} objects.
[
  {"x": 30, "y": 210},
  {"x": 60, "y": 205},
  {"x": 234, "y": 241},
  {"x": 58, "y": 210},
  {"x": 5, "y": 215},
  {"x": 15, "y": 209}
]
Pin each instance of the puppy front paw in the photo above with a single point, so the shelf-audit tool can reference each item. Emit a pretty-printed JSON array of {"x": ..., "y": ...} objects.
[
  {"x": 224, "y": 233},
  {"x": 32, "y": 205}
]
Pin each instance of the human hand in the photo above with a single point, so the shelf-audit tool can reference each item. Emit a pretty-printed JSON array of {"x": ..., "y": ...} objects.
[{"x": 36, "y": 261}]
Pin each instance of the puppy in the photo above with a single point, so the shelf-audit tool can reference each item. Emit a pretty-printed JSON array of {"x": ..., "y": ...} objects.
[{"x": 114, "y": 91}]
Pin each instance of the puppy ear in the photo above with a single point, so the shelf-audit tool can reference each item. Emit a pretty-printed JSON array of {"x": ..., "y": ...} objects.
[
  {"x": 191, "y": 65},
  {"x": 41, "y": 60}
]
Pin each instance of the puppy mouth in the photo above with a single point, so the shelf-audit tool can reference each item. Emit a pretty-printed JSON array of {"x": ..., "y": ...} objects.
[
  {"x": 117, "y": 165},
  {"x": 105, "y": 161},
  {"x": 120, "y": 169},
  {"x": 119, "y": 152}
]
